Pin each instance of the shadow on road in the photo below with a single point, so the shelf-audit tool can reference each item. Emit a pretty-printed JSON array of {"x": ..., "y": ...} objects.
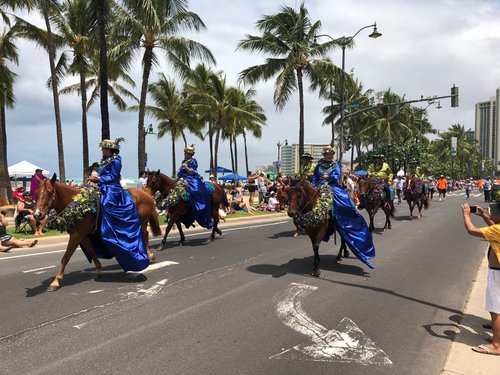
[
  {"x": 304, "y": 266},
  {"x": 110, "y": 274}
]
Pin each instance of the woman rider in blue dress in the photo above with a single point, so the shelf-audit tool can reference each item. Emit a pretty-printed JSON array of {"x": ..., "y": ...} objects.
[
  {"x": 120, "y": 226},
  {"x": 350, "y": 224},
  {"x": 199, "y": 194}
]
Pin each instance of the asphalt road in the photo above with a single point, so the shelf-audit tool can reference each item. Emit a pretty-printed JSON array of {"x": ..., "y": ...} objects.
[{"x": 246, "y": 304}]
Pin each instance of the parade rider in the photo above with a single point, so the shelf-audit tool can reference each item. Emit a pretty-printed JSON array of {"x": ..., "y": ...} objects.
[
  {"x": 120, "y": 232},
  {"x": 307, "y": 166},
  {"x": 414, "y": 170},
  {"x": 199, "y": 194},
  {"x": 380, "y": 169},
  {"x": 350, "y": 224}
]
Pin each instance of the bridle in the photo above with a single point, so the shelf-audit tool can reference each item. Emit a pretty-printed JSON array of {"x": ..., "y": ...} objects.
[{"x": 301, "y": 205}]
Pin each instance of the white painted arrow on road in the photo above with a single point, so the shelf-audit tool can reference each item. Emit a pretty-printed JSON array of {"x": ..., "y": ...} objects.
[{"x": 346, "y": 344}]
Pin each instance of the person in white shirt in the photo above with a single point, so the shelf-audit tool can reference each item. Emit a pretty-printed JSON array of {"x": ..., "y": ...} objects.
[
  {"x": 141, "y": 182},
  {"x": 272, "y": 202}
]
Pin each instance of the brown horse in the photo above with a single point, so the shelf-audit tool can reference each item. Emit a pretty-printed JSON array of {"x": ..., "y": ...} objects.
[
  {"x": 159, "y": 182},
  {"x": 370, "y": 198},
  {"x": 302, "y": 197},
  {"x": 56, "y": 195},
  {"x": 415, "y": 195}
]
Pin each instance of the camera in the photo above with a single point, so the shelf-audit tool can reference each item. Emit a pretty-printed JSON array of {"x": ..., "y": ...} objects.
[{"x": 473, "y": 209}]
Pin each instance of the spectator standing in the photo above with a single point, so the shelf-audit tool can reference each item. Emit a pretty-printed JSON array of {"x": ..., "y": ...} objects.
[
  {"x": 262, "y": 186},
  {"x": 398, "y": 186},
  {"x": 251, "y": 186},
  {"x": 487, "y": 189},
  {"x": 468, "y": 188},
  {"x": 141, "y": 182},
  {"x": 431, "y": 188},
  {"x": 490, "y": 233},
  {"x": 36, "y": 180},
  {"x": 442, "y": 184}
]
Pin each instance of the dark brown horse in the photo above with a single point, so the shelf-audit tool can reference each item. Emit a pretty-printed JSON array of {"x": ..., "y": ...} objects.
[
  {"x": 415, "y": 195},
  {"x": 58, "y": 196},
  {"x": 159, "y": 182},
  {"x": 370, "y": 198},
  {"x": 303, "y": 197}
]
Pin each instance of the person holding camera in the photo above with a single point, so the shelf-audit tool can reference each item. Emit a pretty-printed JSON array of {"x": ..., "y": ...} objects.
[
  {"x": 7, "y": 241},
  {"x": 490, "y": 233}
]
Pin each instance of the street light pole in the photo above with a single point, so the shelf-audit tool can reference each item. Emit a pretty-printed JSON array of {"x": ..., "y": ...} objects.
[{"x": 344, "y": 41}]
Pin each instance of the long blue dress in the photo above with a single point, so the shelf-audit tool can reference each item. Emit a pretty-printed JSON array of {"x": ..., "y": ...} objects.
[
  {"x": 351, "y": 225},
  {"x": 120, "y": 225},
  {"x": 199, "y": 197}
]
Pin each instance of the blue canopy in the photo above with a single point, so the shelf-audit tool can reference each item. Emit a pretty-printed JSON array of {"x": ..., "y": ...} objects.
[
  {"x": 232, "y": 177},
  {"x": 219, "y": 170},
  {"x": 361, "y": 173}
]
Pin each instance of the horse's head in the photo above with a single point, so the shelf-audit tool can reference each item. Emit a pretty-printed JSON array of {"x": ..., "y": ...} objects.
[
  {"x": 299, "y": 196},
  {"x": 152, "y": 181},
  {"x": 365, "y": 185},
  {"x": 45, "y": 197}
]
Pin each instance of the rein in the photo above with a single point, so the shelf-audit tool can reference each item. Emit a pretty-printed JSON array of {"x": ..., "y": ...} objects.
[{"x": 301, "y": 207}]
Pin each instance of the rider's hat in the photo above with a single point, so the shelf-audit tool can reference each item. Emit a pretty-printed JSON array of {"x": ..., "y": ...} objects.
[
  {"x": 307, "y": 155},
  {"x": 328, "y": 150},
  {"x": 413, "y": 161},
  {"x": 189, "y": 150},
  {"x": 109, "y": 143}
]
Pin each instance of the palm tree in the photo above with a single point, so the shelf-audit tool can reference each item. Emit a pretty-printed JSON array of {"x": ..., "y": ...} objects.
[
  {"x": 77, "y": 26},
  {"x": 173, "y": 113},
  {"x": 289, "y": 38},
  {"x": 155, "y": 24},
  {"x": 48, "y": 41},
  {"x": 8, "y": 52}
]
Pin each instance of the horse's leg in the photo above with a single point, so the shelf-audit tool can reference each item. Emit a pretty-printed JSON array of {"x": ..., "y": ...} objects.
[
  {"x": 145, "y": 235},
  {"x": 215, "y": 218},
  {"x": 371, "y": 214},
  {"x": 74, "y": 241},
  {"x": 167, "y": 231},
  {"x": 181, "y": 233},
  {"x": 343, "y": 248},
  {"x": 90, "y": 249},
  {"x": 315, "y": 245}
]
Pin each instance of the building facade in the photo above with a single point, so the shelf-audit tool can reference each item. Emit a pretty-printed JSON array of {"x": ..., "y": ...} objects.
[
  {"x": 487, "y": 127},
  {"x": 290, "y": 158}
]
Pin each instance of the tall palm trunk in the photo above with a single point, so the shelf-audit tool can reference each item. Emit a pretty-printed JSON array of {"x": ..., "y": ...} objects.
[
  {"x": 85, "y": 137},
  {"x": 5, "y": 186},
  {"x": 235, "y": 155},
  {"x": 216, "y": 151},
  {"x": 233, "y": 167},
  {"x": 246, "y": 152},
  {"x": 211, "y": 145},
  {"x": 301, "y": 112},
  {"x": 103, "y": 70},
  {"x": 55, "y": 94},
  {"x": 148, "y": 58},
  {"x": 173, "y": 156}
]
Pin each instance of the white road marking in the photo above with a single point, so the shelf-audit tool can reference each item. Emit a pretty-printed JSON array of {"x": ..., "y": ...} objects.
[
  {"x": 154, "y": 266},
  {"x": 95, "y": 291},
  {"x": 39, "y": 269},
  {"x": 146, "y": 292},
  {"x": 347, "y": 344}
]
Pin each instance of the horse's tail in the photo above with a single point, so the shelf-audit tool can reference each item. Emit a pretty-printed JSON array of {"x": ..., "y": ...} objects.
[
  {"x": 426, "y": 201},
  {"x": 225, "y": 202},
  {"x": 154, "y": 223}
]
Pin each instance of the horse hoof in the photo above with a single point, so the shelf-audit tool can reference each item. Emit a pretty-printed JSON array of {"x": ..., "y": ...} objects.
[
  {"x": 53, "y": 288},
  {"x": 97, "y": 276},
  {"x": 181, "y": 243},
  {"x": 317, "y": 273},
  {"x": 338, "y": 260}
]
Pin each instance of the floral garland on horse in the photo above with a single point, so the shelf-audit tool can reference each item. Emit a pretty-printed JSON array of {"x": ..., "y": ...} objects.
[
  {"x": 320, "y": 212},
  {"x": 83, "y": 203},
  {"x": 177, "y": 194}
]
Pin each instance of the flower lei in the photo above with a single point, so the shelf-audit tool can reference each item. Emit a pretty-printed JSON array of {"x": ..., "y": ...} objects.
[
  {"x": 175, "y": 196},
  {"x": 320, "y": 211},
  {"x": 108, "y": 160},
  {"x": 83, "y": 203}
]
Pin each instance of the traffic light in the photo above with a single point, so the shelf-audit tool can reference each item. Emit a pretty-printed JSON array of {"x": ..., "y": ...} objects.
[{"x": 454, "y": 96}]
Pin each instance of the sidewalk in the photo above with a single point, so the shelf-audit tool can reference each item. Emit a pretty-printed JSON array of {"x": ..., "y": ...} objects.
[{"x": 461, "y": 359}]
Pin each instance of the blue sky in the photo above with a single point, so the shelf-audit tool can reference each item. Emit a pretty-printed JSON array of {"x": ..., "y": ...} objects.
[{"x": 426, "y": 47}]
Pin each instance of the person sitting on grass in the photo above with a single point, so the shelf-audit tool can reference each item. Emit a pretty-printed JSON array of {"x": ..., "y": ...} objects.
[
  {"x": 7, "y": 242},
  {"x": 236, "y": 203},
  {"x": 272, "y": 203}
]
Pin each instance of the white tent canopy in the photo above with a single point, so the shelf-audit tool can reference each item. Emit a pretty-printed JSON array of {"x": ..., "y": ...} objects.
[{"x": 24, "y": 168}]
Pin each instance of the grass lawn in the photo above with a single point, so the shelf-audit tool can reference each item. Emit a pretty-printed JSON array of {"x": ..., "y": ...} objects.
[{"x": 54, "y": 232}]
